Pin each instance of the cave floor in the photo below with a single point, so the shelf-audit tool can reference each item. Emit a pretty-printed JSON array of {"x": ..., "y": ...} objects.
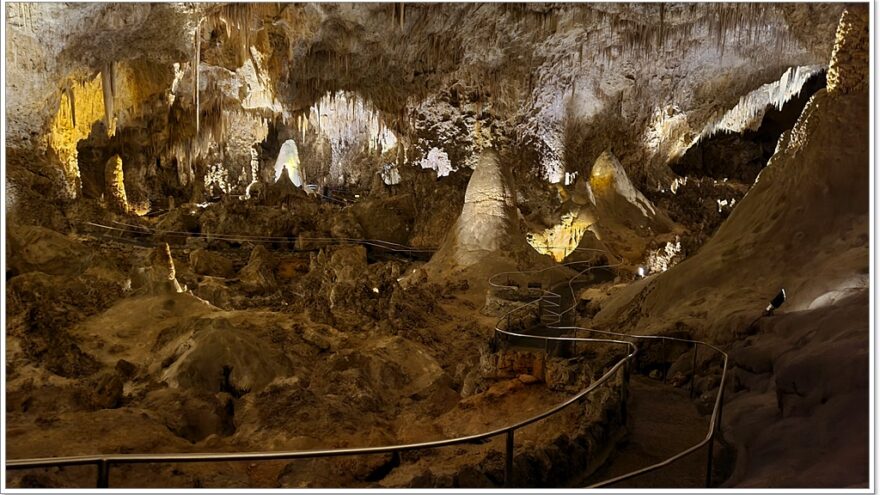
[{"x": 662, "y": 422}]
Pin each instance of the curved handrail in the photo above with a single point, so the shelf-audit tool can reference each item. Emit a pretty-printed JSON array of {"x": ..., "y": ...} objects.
[
  {"x": 391, "y": 246},
  {"x": 714, "y": 420},
  {"x": 103, "y": 462},
  {"x": 300, "y": 454}
]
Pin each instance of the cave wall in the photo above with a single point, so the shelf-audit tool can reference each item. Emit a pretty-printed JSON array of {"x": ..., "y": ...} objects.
[{"x": 796, "y": 416}]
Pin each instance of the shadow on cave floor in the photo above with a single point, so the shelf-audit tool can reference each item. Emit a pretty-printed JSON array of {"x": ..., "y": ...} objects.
[{"x": 662, "y": 422}]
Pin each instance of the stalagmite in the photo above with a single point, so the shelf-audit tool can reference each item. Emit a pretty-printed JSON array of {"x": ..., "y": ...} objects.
[
  {"x": 115, "y": 184},
  {"x": 288, "y": 158},
  {"x": 436, "y": 166}
]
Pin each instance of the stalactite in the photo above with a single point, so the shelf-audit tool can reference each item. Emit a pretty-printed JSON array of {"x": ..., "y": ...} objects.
[
  {"x": 108, "y": 86},
  {"x": 195, "y": 68},
  {"x": 71, "y": 99},
  {"x": 753, "y": 105},
  {"x": 662, "y": 35}
]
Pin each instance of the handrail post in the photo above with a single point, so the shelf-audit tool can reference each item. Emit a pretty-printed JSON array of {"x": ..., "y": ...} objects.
[
  {"x": 103, "y": 474},
  {"x": 715, "y": 428},
  {"x": 711, "y": 446},
  {"x": 693, "y": 372},
  {"x": 624, "y": 392},
  {"x": 508, "y": 461}
]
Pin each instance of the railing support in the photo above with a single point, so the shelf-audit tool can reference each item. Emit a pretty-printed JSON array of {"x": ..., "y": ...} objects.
[
  {"x": 103, "y": 474},
  {"x": 693, "y": 372},
  {"x": 624, "y": 393},
  {"x": 711, "y": 447},
  {"x": 508, "y": 461}
]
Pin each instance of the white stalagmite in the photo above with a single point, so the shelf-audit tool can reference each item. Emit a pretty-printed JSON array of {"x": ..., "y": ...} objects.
[{"x": 486, "y": 237}]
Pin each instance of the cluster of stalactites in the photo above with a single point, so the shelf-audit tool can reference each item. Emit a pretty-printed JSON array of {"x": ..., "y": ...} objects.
[
  {"x": 749, "y": 111},
  {"x": 348, "y": 122},
  {"x": 346, "y": 119},
  {"x": 236, "y": 21},
  {"x": 218, "y": 127},
  {"x": 212, "y": 116},
  {"x": 81, "y": 104},
  {"x": 648, "y": 29}
]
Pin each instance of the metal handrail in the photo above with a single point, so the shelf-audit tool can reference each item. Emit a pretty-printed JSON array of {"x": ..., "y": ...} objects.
[
  {"x": 714, "y": 420},
  {"x": 717, "y": 410},
  {"x": 391, "y": 246},
  {"x": 275, "y": 455},
  {"x": 104, "y": 462}
]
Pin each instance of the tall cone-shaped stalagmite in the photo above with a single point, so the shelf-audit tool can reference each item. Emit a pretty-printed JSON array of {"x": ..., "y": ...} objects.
[
  {"x": 486, "y": 235},
  {"x": 115, "y": 182}
]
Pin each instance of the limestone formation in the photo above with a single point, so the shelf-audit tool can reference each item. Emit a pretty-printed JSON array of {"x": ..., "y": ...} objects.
[
  {"x": 486, "y": 235},
  {"x": 115, "y": 181},
  {"x": 848, "y": 70},
  {"x": 259, "y": 273},
  {"x": 205, "y": 262},
  {"x": 159, "y": 275},
  {"x": 304, "y": 227}
]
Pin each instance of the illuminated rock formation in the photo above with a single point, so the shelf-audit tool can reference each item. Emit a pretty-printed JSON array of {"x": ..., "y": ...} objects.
[
  {"x": 486, "y": 235},
  {"x": 115, "y": 182},
  {"x": 802, "y": 227}
]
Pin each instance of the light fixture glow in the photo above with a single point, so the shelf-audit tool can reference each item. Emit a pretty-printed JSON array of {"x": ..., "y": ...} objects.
[{"x": 775, "y": 303}]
